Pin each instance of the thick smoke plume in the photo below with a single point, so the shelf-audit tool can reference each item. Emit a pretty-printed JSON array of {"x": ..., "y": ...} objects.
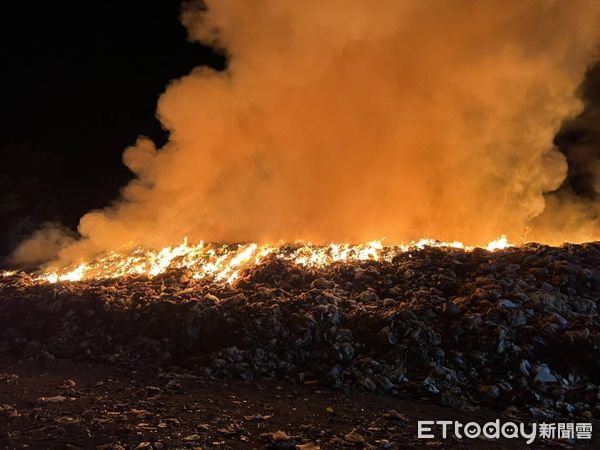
[{"x": 341, "y": 120}]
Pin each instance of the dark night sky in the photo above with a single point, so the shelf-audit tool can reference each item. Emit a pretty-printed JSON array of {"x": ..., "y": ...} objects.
[{"x": 80, "y": 82}]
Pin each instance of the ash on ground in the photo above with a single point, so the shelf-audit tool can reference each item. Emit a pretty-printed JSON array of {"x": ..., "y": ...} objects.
[{"x": 516, "y": 330}]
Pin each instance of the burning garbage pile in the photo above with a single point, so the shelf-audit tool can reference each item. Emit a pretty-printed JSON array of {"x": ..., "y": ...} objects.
[
  {"x": 224, "y": 262},
  {"x": 516, "y": 328}
]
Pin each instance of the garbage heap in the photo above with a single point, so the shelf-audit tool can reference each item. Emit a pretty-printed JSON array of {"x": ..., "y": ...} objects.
[{"x": 515, "y": 329}]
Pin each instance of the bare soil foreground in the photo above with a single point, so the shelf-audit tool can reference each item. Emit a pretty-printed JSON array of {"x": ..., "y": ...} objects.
[
  {"x": 103, "y": 406},
  {"x": 361, "y": 350}
]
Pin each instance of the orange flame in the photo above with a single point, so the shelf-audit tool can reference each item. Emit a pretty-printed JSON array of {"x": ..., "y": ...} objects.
[{"x": 225, "y": 263}]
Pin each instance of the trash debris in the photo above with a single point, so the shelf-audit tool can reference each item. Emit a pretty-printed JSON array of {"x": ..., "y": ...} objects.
[
  {"x": 354, "y": 438},
  {"x": 279, "y": 440},
  {"x": 460, "y": 327}
]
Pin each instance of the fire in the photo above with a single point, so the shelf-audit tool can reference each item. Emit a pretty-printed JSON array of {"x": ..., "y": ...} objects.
[
  {"x": 498, "y": 244},
  {"x": 7, "y": 273},
  {"x": 225, "y": 263}
]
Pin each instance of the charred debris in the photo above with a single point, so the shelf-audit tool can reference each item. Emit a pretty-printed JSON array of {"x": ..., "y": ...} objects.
[{"x": 516, "y": 329}]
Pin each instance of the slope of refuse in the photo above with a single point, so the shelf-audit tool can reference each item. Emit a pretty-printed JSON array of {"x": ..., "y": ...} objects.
[{"x": 516, "y": 329}]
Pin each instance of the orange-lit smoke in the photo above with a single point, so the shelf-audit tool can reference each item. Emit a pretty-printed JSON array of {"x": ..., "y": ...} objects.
[{"x": 345, "y": 121}]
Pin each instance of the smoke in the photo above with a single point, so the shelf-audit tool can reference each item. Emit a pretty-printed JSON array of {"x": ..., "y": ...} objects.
[
  {"x": 575, "y": 206},
  {"x": 347, "y": 120},
  {"x": 43, "y": 245}
]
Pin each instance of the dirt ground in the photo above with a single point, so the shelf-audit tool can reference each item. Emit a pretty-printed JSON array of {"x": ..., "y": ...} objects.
[{"x": 103, "y": 406}]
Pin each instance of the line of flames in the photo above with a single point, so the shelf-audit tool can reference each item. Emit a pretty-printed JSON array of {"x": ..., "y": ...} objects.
[{"x": 225, "y": 263}]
